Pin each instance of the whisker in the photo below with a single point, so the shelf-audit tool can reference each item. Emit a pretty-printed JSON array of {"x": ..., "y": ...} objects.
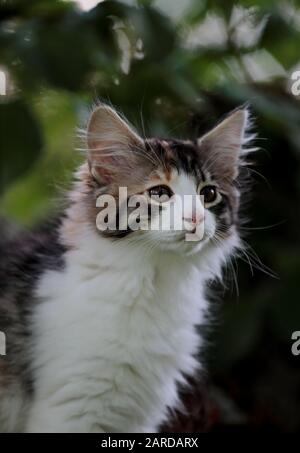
[{"x": 267, "y": 227}]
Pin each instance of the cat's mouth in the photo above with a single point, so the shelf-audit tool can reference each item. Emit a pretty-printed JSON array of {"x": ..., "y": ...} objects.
[{"x": 190, "y": 238}]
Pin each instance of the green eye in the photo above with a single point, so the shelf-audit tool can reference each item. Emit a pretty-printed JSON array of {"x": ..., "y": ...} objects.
[
  {"x": 164, "y": 193},
  {"x": 209, "y": 194}
]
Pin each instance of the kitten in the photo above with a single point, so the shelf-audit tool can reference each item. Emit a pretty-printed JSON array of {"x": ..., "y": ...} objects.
[{"x": 101, "y": 326}]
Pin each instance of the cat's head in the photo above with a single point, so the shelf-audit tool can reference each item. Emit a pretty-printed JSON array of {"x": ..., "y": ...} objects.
[{"x": 158, "y": 174}]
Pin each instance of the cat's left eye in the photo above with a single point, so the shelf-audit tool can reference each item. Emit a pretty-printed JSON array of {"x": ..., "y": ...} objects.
[{"x": 210, "y": 195}]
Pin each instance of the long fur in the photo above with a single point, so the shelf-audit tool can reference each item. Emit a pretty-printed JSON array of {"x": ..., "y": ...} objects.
[{"x": 102, "y": 330}]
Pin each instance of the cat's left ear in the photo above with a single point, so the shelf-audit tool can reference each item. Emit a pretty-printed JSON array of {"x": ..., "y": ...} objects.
[{"x": 222, "y": 146}]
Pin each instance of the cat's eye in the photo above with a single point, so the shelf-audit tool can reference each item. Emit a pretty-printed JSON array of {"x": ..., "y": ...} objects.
[
  {"x": 164, "y": 193},
  {"x": 210, "y": 194}
]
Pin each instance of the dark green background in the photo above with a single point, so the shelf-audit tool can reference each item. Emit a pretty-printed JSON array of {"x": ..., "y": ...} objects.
[{"x": 60, "y": 59}]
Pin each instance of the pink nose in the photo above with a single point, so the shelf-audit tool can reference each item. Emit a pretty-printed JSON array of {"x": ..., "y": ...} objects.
[{"x": 196, "y": 219}]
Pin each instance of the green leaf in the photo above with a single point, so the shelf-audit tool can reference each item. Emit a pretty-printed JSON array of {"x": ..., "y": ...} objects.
[
  {"x": 57, "y": 50},
  {"x": 156, "y": 31},
  {"x": 145, "y": 2},
  {"x": 20, "y": 141},
  {"x": 285, "y": 49}
]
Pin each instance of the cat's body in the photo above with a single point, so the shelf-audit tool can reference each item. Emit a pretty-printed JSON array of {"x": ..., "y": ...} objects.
[
  {"x": 24, "y": 258},
  {"x": 124, "y": 349},
  {"x": 100, "y": 328}
]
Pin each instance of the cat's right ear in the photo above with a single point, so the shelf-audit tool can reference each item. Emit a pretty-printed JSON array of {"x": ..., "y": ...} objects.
[
  {"x": 223, "y": 145},
  {"x": 112, "y": 145}
]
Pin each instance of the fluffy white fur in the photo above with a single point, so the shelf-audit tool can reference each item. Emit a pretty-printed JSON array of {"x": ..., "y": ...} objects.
[{"x": 115, "y": 333}]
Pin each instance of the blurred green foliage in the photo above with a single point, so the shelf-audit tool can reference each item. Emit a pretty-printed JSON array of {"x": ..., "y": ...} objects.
[{"x": 173, "y": 68}]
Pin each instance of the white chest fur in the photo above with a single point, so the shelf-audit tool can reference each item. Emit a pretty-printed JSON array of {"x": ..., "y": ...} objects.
[{"x": 113, "y": 336}]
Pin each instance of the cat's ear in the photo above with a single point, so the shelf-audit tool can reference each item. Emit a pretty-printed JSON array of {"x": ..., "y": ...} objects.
[
  {"x": 222, "y": 146},
  {"x": 112, "y": 145}
]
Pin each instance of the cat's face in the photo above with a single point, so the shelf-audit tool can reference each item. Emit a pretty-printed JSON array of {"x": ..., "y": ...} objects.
[{"x": 177, "y": 195}]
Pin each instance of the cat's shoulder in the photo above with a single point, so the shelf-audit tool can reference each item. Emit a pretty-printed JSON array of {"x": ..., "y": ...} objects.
[{"x": 25, "y": 255}]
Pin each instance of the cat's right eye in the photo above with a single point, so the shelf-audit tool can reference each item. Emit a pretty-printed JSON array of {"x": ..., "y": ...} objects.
[{"x": 160, "y": 193}]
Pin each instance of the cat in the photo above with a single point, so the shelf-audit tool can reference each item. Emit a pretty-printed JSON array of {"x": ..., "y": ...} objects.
[{"x": 102, "y": 326}]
